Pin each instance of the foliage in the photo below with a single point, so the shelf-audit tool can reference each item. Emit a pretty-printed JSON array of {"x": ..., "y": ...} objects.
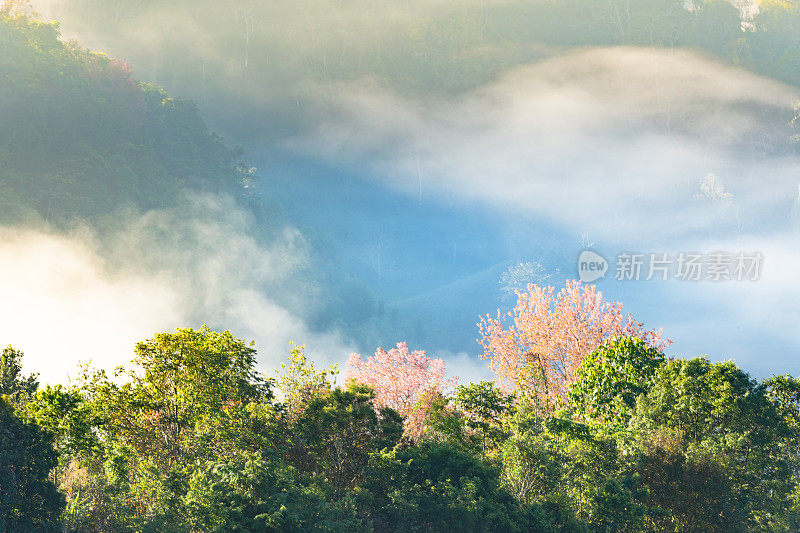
[
  {"x": 400, "y": 380},
  {"x": 434, "y": 418},
  {"x": 300, "y": 381},
  {"x": 192, "y": 439},
  {"x": 439, "y": 487},
  {"x": 29, "y": 500},
  {"x": 612, "y": 377},
  {"x": 65, "y": 414},
  {"x": 688, "y": 492},
  {"x": 255, "y": 494},
  {"x": 194, "y": 397},
  {"x": 713, "y": 427},
  {"x": 16, "y": 387},
  {"x": 783, "y": 392},
  {"x": 484, "y": 407},
  {"x": 538, "y": 353},
  {"x": 81, "y": 136},
  {"x": 564, "y": 463},
  {"x": 678, "y": 445},
  {"x": 336, "y": 433}
]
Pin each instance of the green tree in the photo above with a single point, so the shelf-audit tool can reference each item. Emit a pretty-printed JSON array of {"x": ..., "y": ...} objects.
[
  {"x": 441, "y": 487},
  {"x": 299, "y": 381},
  {"x": 256, "y": 493},
  {"x": 720, "y": 424},
  {"x": 484, "y": 405},
  {"x": 29, "y": 500},
  {"x": 688, "y": 492},
  {"x": 65, "y": 414},
  {"x": 336, "y": 432},
  {"x": 783, "y": 391},
  {"x": 612, "y": 377},
  {"x": 565, "y": 464},
  {"x": 614, "y": 506},
  {"x": 13, "y": 384},
  {"x": 193, "y": 396},
  {"x": 186, "y": 396}
]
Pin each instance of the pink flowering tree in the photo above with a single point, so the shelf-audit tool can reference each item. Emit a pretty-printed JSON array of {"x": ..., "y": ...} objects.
[
  {"x": 535, "y": 349},
  {"x": 403, "y": 380}
]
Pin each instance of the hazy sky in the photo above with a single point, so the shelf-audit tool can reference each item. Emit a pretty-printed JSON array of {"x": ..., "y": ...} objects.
[
  {"x": 426, "y": 193},
  {"x": 614, "y": 145}
]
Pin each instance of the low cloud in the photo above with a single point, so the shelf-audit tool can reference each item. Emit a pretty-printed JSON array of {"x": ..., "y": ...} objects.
[
  {"x": 90, "y": 296},
  {"x": 761, "y": 313},
  {"x": 621, "y": 136},
  {"x": 640, "y": 149}
]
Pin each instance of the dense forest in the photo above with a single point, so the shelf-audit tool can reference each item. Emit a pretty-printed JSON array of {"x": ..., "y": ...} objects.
[
  {"x": 588, "y": 426},
  {"x": 88, "y": 139}
]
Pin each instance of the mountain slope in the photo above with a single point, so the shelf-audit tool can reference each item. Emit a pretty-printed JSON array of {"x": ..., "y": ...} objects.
[{"x": 80, "y": 136}]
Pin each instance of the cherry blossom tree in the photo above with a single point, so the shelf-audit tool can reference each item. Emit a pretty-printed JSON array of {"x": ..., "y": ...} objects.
[
  {"x": 403, "y": 380},
  {"x": 535, "y": 349}
]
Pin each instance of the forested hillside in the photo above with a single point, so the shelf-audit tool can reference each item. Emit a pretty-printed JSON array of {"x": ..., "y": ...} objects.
[
  {"x": 85, "y": 144},
  {"x": 590, "y": 424},
  {"x": 81, "y": 137},
  {"x": 588, "y": 428}
]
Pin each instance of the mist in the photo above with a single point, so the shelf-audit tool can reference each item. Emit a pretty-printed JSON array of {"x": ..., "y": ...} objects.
[
  {"x": 613, "y": 146},
  {"x": 391, "y": 265},
  {"x": 429, "y": 149},
  {"x": 90, "y": 295}
]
